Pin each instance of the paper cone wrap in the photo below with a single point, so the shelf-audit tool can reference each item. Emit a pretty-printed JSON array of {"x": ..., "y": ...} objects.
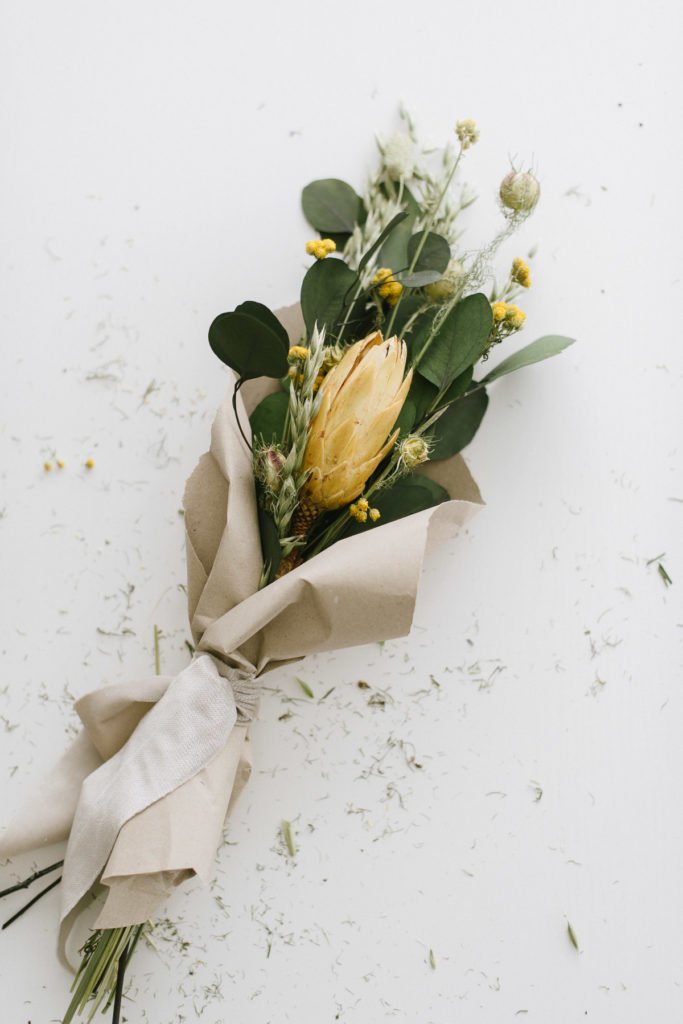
[{"x": 143, "y": 792}]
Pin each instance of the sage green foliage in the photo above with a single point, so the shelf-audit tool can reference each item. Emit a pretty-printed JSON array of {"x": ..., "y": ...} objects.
[
  {"x": 384, "y": 235},
  {"x": 327, "y": 292},
  {"x": 411, "y": 493},
  {"x": 268, "y": 418},
  {"x": 428, "y": 254},
  {"x": 459, "y": 341},
  {"x": 270, "y": 541},
  {"x": 331, "y": 206},
  {"x": 249, "y": 344},
  {"x": 456, "y": 427},
  {"x": 536, "y": 352}
]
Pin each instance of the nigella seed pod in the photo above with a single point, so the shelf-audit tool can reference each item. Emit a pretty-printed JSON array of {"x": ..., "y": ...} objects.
[
  {"x": 519, "y": 191},
  {"x": 450, "y": 285}
]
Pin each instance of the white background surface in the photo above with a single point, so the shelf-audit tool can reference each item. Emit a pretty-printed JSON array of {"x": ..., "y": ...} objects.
[{"x": 154, "y": 155}]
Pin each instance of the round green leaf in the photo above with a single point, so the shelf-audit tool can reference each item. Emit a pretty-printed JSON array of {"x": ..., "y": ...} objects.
[
  {"x": 456, "y": 427},
  {"x": 460, "y": 341},
  {"x": 435, "y": 253},
  {"x": 412, "y": 493},
  {"x": 327, "y": 289},
  {"x": 330, "y": 205},
  {"x": 248, "y": 346},
  {"x": 268, "y": 418},
  {"x": 267, "y": 317}
]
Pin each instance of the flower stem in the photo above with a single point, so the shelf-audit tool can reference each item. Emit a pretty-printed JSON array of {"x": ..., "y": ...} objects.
[
  {"x": 425, "y": 234},
  {"x": 27, "y": 906},
  {"x": 31, "y": 879}
]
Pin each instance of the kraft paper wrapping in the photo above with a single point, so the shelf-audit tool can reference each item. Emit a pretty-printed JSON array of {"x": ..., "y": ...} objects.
[{"x": 355, "y": 592}]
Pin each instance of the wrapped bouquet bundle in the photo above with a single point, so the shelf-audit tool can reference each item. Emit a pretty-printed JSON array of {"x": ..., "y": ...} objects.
[{"x": 334, "y": 457}]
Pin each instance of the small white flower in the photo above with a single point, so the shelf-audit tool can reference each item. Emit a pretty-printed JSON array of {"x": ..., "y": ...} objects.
[{"x": 400, "y": 155}]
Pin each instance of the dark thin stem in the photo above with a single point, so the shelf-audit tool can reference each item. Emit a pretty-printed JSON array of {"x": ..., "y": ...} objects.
[
  {"x": 118, "y": 995},
  {"x": 30, "y": 903},
  {"x": 33, "y": 878},
  {"x": 238, "y": 385}
]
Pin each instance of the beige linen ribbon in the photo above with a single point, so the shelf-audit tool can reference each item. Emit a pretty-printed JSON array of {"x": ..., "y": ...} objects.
[{"x": 181, "y": 734}]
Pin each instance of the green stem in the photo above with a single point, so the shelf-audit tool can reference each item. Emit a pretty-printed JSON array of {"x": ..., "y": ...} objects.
[{"x": 425, "y": 233}]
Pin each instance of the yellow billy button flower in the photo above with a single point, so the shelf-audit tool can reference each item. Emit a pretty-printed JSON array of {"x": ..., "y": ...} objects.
[
  {"x": 387, "y": 287},
  {"x": 297, "y": 352},
  {"x": 520, "y": 272},
  {"x": 361, "y": 398},
  {"x": 320, "y": 247},
  {"x": 499, "y": 310},
  {"x": 361, "y": 511},
  {"x": 515, "y": 317}
]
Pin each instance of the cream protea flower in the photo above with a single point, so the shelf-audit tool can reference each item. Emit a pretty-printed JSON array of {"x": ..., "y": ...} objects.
[{"x": 350, "y": 435}]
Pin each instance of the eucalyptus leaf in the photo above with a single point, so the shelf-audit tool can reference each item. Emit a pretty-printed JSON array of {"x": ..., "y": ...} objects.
[
  {"x": 404, "y": 312},
  {"x": 410, "y": 494},
  {"x": 406, "y": 418},
  {"x": 332, "y": 206},
  {"x": 268, "y": 418},
  {"x": 458, "y": 387},
  {"x": 461, "y": 339},
  {"x": 270, "y": 542},
  {"x": 543, "y": 348},
  {"x": 456, "y": 427},
  {"x": 393, "y": 223},
  {"x": 267, "y": 317},
  {"x": 248, "y": 346},
  {"x": 422, "y": 394},
  {"x": 418, "y": 278},
  {"x": 327, "y": 289},
  {"x": 435, "y": 252},
  {"x": 395, "y": 249}
]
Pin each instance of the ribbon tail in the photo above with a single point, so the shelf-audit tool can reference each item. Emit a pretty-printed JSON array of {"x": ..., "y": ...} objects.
[
  {"x": 46, "y": 816},
  {"x": 173, "y": 743}
]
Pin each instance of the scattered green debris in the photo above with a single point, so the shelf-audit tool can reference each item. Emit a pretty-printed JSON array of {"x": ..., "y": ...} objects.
[
  {"x": 572, "y": 937},
  {"x": 157, "y": 654},
  {"x": 432, "y": 960},
  {"x": 664, "y": 574},
  {"x": 288, "y": 838},
  {"x": 306, "y": 688},
  {"x": 660, "y": 568}
]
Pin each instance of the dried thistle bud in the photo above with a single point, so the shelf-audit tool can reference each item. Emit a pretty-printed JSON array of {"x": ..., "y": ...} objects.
[
  {"x": 268, "y": 465},
  {"x": 413, "y": 451},
  {"x": 519, "y": 191},
  {"x": 449, "y": 285}
]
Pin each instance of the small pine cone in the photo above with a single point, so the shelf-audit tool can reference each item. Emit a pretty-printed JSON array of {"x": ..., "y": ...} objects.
[
  {"x": 288, "y": 563},
  {"x": 303, "y": 519}
]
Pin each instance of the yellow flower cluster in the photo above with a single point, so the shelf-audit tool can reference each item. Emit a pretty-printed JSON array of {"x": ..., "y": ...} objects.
[
  {"x": 297, "y": 352},
  {"x": 388, "y": 288},
  {"x": 505, "y": 312},
  {"x": 320, "y": 247},
  {"x": 360, "y": 510},
  {"x": 520, "y": 272},
  {"x": 467, "y": 132}
]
